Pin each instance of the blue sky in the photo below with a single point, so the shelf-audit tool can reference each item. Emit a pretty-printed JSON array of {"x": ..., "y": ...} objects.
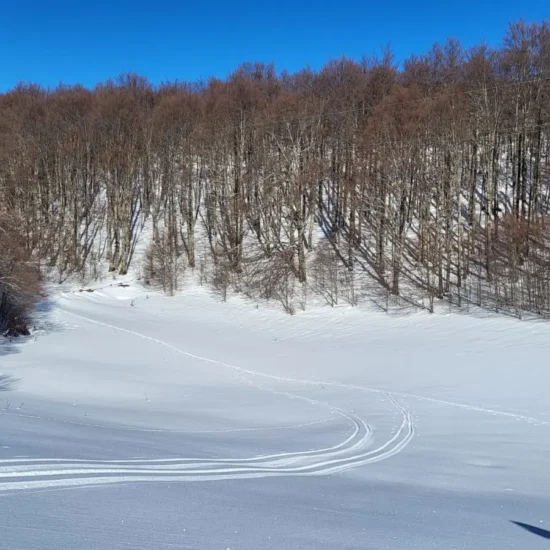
[{"x": 88, "y": 41}]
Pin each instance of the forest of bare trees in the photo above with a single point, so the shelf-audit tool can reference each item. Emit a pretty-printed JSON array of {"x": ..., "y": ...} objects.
[{"x": 362, "y": 181}]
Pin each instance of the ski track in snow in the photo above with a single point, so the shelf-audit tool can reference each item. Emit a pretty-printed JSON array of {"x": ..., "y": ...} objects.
[
  {"x": 163, "y": 430},
  {"x": 48, "y": 473},
  {"x": 474, "y": 408},
  {"x": 18, "y": 474},
  {"x": 21, "y": 474}
]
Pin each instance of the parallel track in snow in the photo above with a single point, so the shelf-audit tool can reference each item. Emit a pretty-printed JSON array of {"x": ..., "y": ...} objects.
[{"x": 42, "y": 473}]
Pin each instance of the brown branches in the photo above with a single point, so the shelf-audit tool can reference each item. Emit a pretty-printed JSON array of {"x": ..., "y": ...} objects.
[
  {"x": 19, "y": 280},
  {"x": 321, "y": 180}
]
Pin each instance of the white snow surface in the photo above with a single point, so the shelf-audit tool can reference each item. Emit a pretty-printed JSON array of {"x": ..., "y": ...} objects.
[{"x": 141, "y": 421}]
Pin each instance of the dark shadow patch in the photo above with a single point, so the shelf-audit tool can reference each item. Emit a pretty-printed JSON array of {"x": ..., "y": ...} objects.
[
  {"x": 532, "y": 529},
  {"x": 7, "y": 347},
  {"x": 7, "y": 382},
  {"x": 40, "y": 323}
]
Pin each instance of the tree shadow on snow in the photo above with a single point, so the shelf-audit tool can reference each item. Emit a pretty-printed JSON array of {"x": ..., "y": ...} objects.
[
  {"x": 7, "y": 347},
  {"x": 42, "y": 314},
  {"x": 41, "y": 323},
  {"x": 7, "y": 382},
  {"x": 532, "y": 529}
]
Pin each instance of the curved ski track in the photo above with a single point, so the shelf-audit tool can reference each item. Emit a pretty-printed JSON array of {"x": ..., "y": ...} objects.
[{"x": 28, "y": 473}]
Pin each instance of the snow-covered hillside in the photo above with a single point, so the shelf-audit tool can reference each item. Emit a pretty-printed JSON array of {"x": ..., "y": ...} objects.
[{"x": 138, "y": 421}]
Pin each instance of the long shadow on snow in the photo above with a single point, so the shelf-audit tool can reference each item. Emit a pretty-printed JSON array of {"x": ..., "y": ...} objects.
[
  {"x": 7, "y": 347},
  {"x": 532, "y": 529},
  {"x": 7, "y": 382}
]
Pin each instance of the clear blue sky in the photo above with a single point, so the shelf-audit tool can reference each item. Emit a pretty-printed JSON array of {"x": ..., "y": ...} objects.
[{"x": 49, "y": 41}]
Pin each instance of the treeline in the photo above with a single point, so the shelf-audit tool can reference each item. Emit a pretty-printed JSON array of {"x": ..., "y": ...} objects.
[{"x": 359, "y": 181}]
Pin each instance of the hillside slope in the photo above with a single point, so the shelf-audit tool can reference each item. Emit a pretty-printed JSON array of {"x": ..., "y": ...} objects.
[{"x": 148, "y": 422}]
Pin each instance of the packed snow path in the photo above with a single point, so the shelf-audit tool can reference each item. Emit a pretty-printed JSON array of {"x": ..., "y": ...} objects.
[{"x": 344, "y": 429}]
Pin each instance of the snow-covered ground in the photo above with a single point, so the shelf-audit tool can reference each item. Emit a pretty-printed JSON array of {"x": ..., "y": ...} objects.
[{"x": 149, "y": 422}]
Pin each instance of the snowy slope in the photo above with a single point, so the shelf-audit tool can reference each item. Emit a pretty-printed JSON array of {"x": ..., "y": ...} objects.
[{"x": 150, "y": 422}]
